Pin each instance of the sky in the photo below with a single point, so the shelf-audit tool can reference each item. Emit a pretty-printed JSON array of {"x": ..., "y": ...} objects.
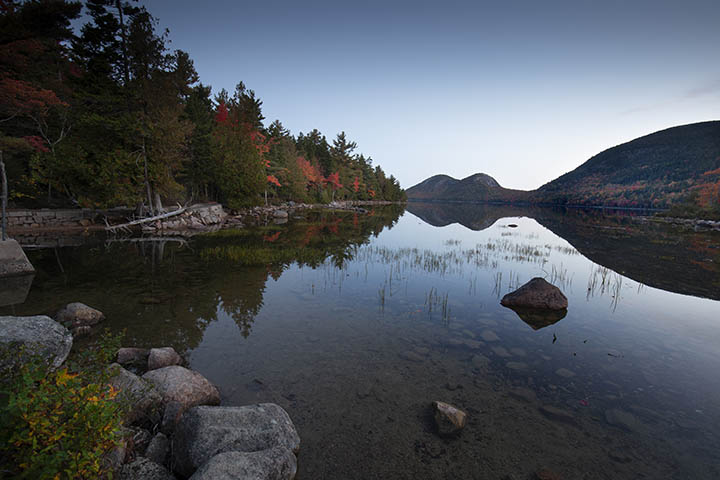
[{"x": 522, "y": 90}]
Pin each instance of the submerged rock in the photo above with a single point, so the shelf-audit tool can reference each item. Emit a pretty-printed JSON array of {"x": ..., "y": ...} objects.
[
  {"x": 203, "y": 432},
  {"x": 163, "y": 357},
  {"x": 449, "y": 420},
  {"x": 536, "y": 294},
  {"x": 39, "y": 335},
  {"x": 622, "y": 419},
  {"x": 78, "y": 315},
  {"x": 271, "y": 464}
]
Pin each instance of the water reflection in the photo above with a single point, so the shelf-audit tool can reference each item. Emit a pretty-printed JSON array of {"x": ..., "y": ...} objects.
[
  {"x": 185, "y": 284},
  {"x": 538, "y": 319},
  {"x": 354, "y": 323},
  {"x": 657, "y": 255},
  {"x": 14, "y": 290}
]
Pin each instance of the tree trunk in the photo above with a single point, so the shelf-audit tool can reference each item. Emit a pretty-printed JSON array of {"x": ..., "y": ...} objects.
[
  {"x": 147, "y": 180},
  {"x": 4, "y": 197}
]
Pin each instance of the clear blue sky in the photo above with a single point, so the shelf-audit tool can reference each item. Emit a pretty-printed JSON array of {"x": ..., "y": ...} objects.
[{"x": 523, "y": 90}]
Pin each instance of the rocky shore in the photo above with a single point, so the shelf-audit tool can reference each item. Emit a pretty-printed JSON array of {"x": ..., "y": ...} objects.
[
  {"x": 199, "y": 218},
  {"x": 174, "y": 425},
  {"x": 695, "y": 224}
]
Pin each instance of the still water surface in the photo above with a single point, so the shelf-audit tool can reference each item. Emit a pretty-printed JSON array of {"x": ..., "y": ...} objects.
[{"x": 355, "y": 324}]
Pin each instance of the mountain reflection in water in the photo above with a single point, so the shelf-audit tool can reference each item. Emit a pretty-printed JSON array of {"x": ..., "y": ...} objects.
[{"x": 654, "y": 254}]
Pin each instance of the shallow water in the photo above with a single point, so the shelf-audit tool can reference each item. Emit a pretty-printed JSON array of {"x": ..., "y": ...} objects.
[{"x": 355, "y": 324}]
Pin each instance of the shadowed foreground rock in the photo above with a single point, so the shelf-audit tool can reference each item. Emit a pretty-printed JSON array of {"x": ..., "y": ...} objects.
[
  {"x": 448, "y": 419},
  {"x": 144, "y": 469},
  {"x": 38, "y": 335},
  {"x": 204, "y": 432},
  {"x": 272, "y": 464},
  {"x": 143, "y": 399},
  {"x": 536, "y": 294}
]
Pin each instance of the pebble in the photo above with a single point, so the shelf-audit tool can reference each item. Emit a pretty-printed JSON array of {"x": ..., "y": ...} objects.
[
  {"x": 625, "y": 420},
  {"x": 564, "y": 372},
  {"x": 411, "y": 356},
  {"x": 516, "y": 365},
  {"x": 480, "y": 361},
  {"x": 501, "y": 352},
  {"x": 489, "y": 336},
  {"x": 557, "y": 414}
]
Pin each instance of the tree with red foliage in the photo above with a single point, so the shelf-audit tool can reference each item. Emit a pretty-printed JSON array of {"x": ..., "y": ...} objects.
[
  {"x": 334, "y": 181},
  {"x": 356, "y": 185}
]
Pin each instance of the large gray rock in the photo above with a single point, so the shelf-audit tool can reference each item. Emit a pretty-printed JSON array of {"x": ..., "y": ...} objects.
[
  {"x": 144, "y": 401},
  {"x": 536, "y": 294},
  {"x": 204, "y": 432},
  {"x": 188, "y": 388},
  {"x": 163, "y": 357},
  {"x": 143, "y": 469},
  {"x": 77, "y": 315},
  {"x": 38, "y": 335},
  {"x": 13, "y": 260},
  {"x": 272, "y": 464}
]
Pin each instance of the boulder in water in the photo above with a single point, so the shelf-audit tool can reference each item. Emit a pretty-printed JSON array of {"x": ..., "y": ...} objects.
[{"x": 536, "y": 294}]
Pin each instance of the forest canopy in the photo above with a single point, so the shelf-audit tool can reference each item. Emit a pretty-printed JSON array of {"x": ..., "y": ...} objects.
[{"x": 108, "y": 115}]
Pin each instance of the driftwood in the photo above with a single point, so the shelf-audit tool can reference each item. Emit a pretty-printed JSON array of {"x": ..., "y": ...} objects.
[
  {"x": 126, "y": 226},
  {"x": 180, "y": 240}
]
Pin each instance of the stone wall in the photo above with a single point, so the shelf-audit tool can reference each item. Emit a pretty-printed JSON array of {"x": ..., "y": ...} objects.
[{"x": 47, "y": 218}]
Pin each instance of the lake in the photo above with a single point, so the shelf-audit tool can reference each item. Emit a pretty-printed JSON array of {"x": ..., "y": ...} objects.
[{"x": 356, "y": 323}]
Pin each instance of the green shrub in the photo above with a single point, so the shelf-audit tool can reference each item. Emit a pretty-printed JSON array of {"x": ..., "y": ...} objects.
[{"x": 60, "y": 424}]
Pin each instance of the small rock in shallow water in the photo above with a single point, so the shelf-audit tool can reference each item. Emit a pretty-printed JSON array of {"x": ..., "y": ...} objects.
[
  {"x": 524, "y": 394},
  {"x": 501, "y": 352},
  {"x": 449, "y": 419},
  {"x": 619, "y": 456},
  {"x": 516, "y": 365},
  {"x": 489, "y": 336},
  {"x": 480, "y": 361},
  {"x": 623, "y": 419},
  {"x": 557, "y": 414},
  {"x": 411, "y": 356},
  {"x": 78, "y": 314},
  {"x": 564, "y": 372}
]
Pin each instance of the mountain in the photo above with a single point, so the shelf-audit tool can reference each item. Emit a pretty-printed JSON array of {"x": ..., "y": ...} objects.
[
  {"x": 672, "y": 167},
  {"x": 656, "y": 170},
  {"x": 476, "y": 188}
]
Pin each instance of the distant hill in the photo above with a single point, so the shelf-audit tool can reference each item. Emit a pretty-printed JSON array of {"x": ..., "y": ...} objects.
[
  {"x": 476, "y": 188},
  {"x": 676, "y": 166}
]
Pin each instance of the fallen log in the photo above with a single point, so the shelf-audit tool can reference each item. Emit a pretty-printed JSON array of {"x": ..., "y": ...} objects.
[{"x": 146, "y": 220}]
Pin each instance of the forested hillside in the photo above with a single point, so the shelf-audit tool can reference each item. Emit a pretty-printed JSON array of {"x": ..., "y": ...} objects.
[
  {"x": 111, "y": 116},
  {"x": 676, "y": 166}
]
